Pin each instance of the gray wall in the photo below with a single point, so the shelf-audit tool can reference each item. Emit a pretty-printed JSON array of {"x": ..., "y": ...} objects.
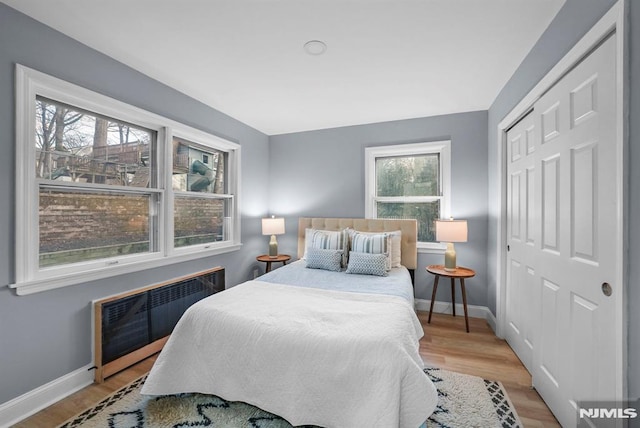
[
  {"x": 321, "y": 174},
  {"x": 573, "y": 21},
  {"x": 47, "y": 335}
]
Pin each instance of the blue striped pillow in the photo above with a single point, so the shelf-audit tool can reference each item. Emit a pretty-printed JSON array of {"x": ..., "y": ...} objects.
[
  {"x": 328, "y": 240},
  {"x": 371, "y": 244}
]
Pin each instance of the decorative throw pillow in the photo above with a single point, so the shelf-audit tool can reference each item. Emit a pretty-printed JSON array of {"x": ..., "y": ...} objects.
[
  {"x": 327, "y": 240},
  {"x": 396, "y": 248},
  {"x": 371, "y": 243},
  {"x": 367, "y": 264},
  {"x": 318, "y": 258},
  {"x": 394, "y": 242}
]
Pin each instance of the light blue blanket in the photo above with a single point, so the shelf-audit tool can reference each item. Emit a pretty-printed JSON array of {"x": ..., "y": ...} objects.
[{"x": 397, "y": 283}]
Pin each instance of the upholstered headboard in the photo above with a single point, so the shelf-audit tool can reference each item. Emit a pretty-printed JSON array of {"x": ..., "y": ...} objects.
[{"x": 409, "y": 230}]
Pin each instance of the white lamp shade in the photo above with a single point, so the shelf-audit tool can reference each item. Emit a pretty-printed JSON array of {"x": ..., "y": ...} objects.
[
  {"x": 451, "y": 230},
  {"x": 272, "y": 226}
]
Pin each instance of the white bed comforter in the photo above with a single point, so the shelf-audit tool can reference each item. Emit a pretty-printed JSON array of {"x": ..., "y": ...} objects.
[{"x": 328, "y": 358}]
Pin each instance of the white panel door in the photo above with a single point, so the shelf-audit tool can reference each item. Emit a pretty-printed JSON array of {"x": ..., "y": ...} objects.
[
  {"x": 522, "y": 293},
  {"x": 562, "y": 225}
]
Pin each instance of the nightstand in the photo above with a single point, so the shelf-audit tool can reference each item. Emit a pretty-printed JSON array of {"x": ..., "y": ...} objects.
[
  {"x": 282, "y": 258},
  {"x": 461, "y": 273}
]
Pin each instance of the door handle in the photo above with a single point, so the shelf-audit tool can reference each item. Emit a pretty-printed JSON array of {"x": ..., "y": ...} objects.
[{"x": 606, "y": 289}]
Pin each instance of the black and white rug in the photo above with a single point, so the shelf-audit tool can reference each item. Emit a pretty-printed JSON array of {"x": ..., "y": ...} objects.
[{"x": 464, "y": 401}]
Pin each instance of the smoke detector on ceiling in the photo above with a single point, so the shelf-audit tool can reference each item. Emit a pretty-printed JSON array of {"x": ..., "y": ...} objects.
[{"x": 315, "y": 47}]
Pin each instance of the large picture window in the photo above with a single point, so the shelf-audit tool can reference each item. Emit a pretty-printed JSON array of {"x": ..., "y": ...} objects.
[
  {"x": 409, "y": 181},
  {"x": 105, "y": 188}
]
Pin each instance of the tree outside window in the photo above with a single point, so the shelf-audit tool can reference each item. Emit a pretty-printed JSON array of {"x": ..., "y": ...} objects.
[
  {"x": 106, "y": 188},
  {"x": 409, "y": 181},
  {"x": 85, "y": 164}
]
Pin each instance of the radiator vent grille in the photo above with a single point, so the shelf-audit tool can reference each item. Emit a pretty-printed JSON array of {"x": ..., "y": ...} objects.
[
  {"x": 124, "y": 327},
  {"x": 182, "y": 289},
  {"x": 134, "y": 321},
  {"x": 118, "y": 309}
]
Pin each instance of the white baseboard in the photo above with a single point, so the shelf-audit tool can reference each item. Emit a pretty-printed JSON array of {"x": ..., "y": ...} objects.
[
  {"x": 445, "y": 308},
  {"x": 33, "y": 401}
]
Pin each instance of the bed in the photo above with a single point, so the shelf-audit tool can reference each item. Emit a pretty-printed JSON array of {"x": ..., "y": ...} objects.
[{"x": 314, "y": 346}]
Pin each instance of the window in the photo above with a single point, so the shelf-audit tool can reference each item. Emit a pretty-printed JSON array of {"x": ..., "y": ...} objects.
[
  {"x": 105, "y": 188},
  {"x": 409, "y": 181},
  {"x": 202, "y": 203},
  {"x": 93, "y": 201}
]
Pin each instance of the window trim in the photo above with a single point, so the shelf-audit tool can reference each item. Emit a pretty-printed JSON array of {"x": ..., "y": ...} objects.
[
  {"x": 441, "y": 147},
  {"x": 29, "y": 277},
  {"x": 233, "y": 164}
]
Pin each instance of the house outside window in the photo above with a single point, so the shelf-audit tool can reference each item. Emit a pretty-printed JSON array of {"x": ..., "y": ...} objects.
[
  {"x": 410, "y": 181},
  {"x": 96, "y": 184},
  {"x": 105, "y": 188},
  {"x": 202, "y": 203}
]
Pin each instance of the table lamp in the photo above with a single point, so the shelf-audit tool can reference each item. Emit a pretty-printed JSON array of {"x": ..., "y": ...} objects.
[
  {"x": 273, "y": 226},
  {"x": 451, "y": 231}
]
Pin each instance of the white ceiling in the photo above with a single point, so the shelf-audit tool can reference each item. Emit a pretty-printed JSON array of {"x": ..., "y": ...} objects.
[{"x": 385, "y": 59}]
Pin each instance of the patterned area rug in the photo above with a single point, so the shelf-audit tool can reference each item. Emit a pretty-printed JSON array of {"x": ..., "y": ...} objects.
[{"x": 464, "y": 401}]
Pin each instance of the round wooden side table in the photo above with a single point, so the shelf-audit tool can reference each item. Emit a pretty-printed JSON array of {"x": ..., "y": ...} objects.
[
  {"x": 281, "y": 258},
  {"x": 461, "y": 273}
]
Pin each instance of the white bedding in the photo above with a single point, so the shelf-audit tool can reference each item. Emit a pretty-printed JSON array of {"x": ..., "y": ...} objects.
[{"x": 321, "y": 357}]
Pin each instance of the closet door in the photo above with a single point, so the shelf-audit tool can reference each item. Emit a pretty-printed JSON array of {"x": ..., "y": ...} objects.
[
  {"x": 562, "y": 228},
  {"x": 523, "y": 292}
]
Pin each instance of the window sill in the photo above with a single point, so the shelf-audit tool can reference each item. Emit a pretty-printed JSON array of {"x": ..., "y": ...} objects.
[
  {"x": 51, "y": 283},
  {"x": 432, "y": 248}
]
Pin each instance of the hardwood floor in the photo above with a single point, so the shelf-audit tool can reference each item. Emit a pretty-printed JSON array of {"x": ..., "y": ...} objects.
[
  {"x": 446, "y": 345},
  {"x": 85, "y": 398}
]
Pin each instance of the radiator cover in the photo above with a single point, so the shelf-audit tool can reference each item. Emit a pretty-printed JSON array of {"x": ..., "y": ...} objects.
[{"x": 131, "y": 326}]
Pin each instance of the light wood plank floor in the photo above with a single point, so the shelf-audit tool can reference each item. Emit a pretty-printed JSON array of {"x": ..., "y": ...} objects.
[{"x": 445, "y": 345}]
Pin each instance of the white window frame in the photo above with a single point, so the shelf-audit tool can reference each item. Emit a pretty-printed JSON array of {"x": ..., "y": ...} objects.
[
  {"x": 30, "y": 278},
  {"x": 233, "y": 164},
  {"x": 443, "y": 148}
]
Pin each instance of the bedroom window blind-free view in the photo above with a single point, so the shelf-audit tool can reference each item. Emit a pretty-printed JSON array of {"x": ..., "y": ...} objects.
[
  {"x": 105, "y": 188},
  {"x": 89, "y": 172},
  {"x": 409, "y": 181}
]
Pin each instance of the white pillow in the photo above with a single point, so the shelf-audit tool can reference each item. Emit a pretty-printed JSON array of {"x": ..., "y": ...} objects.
[{"x": 396, "y": 248}]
